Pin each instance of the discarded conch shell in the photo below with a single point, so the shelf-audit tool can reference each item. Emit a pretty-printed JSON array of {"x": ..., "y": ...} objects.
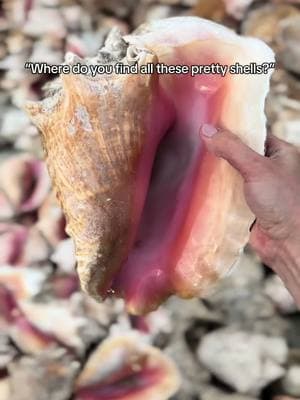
[
  {"x": 25, "y": 283},
  {"x": 22, "y": 245},
  {"x": 151, "y": 212},
  {"x": 28, "y": 337},
  {"x": 50, "y": 374},
  {"x": 237, "y": 8},
  {"x": 24, "y": 185},
  {"x": 264, "y": 22},
  {"x": 57, "y": 319},
  {"x": 51, "y": 221},
  {"x": 211, "y": 9},
  {"x": 126, "y": 368}
]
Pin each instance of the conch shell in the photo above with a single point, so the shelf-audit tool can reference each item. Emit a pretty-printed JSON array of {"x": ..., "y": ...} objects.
[
  {"x": 125, "y": 368},
  {"x": 151, "y": 212}
]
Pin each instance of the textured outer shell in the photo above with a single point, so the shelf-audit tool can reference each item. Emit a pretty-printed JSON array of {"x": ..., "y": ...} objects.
[{"x": 93, "y": 136}]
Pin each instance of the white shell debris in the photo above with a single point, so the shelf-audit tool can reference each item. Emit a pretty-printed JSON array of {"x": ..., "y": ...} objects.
[{"x": 248, "y": 362}]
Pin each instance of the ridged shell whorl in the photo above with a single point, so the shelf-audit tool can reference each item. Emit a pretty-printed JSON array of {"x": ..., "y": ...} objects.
[{"x": 93, "y": 137}]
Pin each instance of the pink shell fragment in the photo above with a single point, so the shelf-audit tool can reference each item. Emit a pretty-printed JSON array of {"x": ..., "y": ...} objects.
[{"x": 24, "y": 185}]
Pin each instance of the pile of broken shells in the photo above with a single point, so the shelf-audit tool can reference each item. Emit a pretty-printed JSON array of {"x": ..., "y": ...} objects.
[{"x": 56, "y": 343}]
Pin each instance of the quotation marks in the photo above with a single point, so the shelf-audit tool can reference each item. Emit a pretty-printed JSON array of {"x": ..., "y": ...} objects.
[{"x": 159, "y": 68}]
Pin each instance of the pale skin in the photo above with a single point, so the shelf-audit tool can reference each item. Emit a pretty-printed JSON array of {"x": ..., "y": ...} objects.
[{"x": 272, "y": 191}]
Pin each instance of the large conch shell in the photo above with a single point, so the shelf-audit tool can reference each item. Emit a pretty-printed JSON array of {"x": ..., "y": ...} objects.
[{"x": 151, "y": 212}]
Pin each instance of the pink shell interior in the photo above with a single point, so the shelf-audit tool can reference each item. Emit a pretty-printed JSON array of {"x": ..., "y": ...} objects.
[
  {"x": 181, "y": 106},
  {"x": 124, "y": 386}
]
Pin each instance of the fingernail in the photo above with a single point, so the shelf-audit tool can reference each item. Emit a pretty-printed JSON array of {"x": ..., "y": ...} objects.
[
  {"x": 252, "y": 225},
  {"x": 208, "y": 130}
]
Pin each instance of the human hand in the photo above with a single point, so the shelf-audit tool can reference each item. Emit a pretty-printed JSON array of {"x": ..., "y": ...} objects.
[{"x": 272, "y": 191}]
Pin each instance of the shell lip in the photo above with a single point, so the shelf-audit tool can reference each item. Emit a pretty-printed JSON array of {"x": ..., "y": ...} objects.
[{"x": 170, "y": 219}]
